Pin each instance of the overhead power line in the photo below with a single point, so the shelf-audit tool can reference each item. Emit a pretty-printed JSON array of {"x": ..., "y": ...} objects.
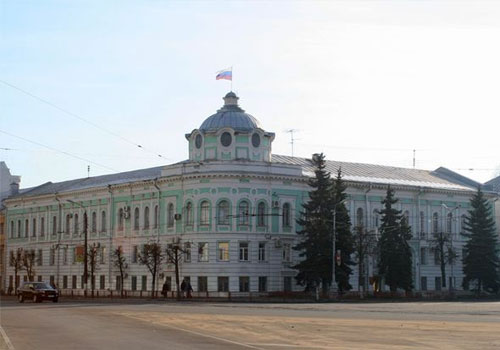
[
  {"x": 74, "y": 115},
  {"x": 57, "y": 150}
]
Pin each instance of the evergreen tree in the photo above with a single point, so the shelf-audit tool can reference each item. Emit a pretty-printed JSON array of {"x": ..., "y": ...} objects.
[
  {"x": 395, "y": 262},
  {"x": 481, "y": 261},
  {"x": 315, "y": 246},
  {"x": 344, "y": 241}
]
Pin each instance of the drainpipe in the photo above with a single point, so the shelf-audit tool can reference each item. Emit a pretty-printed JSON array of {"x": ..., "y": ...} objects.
[
  {"x": 110, "y": 234},
  {"x": 58, "y": 238},
  {"x": 158, "y": 226}
]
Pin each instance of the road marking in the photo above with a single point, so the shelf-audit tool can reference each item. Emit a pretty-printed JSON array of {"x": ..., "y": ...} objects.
[
  {"x": 290, "y": 345},
  {"x": 6, "y": 339},
  {"x": 201, "y": 334}
]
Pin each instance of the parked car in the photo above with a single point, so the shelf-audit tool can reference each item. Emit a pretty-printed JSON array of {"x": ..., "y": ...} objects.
[{"x": 37, "y": 291}]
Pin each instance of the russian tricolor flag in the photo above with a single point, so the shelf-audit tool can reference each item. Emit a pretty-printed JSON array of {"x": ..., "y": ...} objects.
[{"x": 226, "y": 74}]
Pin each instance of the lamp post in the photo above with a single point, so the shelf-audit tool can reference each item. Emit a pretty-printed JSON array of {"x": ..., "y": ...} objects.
[
  {"x": 85, "y": 226},
  {"x": 334, "y": 238}
]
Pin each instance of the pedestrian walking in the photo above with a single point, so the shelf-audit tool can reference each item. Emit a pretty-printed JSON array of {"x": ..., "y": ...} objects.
[
  {"x": 189, "y": 289},
  {"x": 183, "y": 287}
]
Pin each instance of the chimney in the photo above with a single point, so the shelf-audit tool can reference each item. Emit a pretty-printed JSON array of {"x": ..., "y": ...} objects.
[{"x": 14, "y": 188}]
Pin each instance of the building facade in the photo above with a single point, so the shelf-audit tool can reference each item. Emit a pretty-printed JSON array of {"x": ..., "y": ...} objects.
[{"x": 232, "y": 207}]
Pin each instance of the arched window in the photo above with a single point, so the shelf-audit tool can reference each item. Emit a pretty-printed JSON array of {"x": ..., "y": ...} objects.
[
  {"x": 406, "y": 217},
  {"x": 94, "y": 221},
  {"x": 449, "y": 222},
  {"x": 54, "y": 225},
  {"x": 422, "y": 222},
  {"x": 286, "y": 215},
  {"x": 204, "y": 213},
  {"x": 42, "y": 226},
  {"x": 261, "y": 214},
  {"x": 359, "y": 217},
  {"x": 33, "y": 228},
  {"x": 243, "y": 211},
  {"x": 376, "y": 218},
  {"x": 26, "y": 228},
  {"x": 170, "y": 215},
  {"x": 120, "y": 219},
  {"x": 76, "y": 225},
  {"x": 68, "y": 223},
  {"x": 103, "y": 221},
  {"x": 146, "y": 217},
  {"x": 12, "y": 232},
  {"x": 156, "y": 217},
  {"x": 189, "y": 213},
  {"x": 435, "y": 223},
  {"x": 19, "y": 228},
  {"x": 463, "y": 223},
  {"x": 136, "y": 218},
  {"x": 223, "y": 213}
]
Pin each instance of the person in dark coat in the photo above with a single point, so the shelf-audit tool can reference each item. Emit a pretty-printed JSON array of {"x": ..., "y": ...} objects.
[{"x": 183, "y": 288}]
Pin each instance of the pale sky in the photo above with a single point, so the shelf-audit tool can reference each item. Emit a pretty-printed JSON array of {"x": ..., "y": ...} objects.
[{"x": 361, "y": 81}]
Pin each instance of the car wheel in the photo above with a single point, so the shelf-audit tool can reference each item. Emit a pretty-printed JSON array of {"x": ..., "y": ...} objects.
[
  {"x": 55, "y": 300},
  {"x": 20, "y": 298}
]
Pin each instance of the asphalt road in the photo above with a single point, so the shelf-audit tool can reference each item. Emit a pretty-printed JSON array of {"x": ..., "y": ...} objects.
[{"x": 192, "y": 325}]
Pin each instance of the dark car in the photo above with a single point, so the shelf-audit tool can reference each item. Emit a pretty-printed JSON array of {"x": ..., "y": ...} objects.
[{"x": 37, "y": 291}]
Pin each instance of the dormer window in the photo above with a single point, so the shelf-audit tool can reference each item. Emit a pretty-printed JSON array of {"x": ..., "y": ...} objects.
[
  {"x": 197, "y": 141},
  {"x": 256, "y": 140},
  {"x": 226, "y": 139}
]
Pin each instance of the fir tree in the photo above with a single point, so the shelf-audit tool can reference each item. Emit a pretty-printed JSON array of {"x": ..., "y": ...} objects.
[
  {"x": 395, "y": 263},
  {"x": 481, "y": 261},
  {"x": 343, "y": 236},
  {"x": 315, "y": 246}
]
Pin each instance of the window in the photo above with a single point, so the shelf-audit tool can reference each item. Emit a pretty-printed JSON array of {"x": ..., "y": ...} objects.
[
  {"x": 12, "y": 229},
  {"x": 359, "y": 217},
  {"x": 168, "y": 282},
  {"x": 94, "y": 222},
  {"x": 435, "y": 223},
  {"x": 422, "y": 222},
  {"x": 244, "y": 284},
  {"x": 103, "y": 221},
  {"x": 135, "y": 251},
  {"x": 33, "y": 228},
  {"x": 222, "y": 284},
  {"x": 202, "y": 284},
  {"x": 226, "y": 139},
  {"x": 189, "y": 214},
  {"x": 406, "y": 217},
  {"x": 243, "y": 251},
  {"x": 170, "y": 253},
  {"x": 26, "y": 228},
  {"x": 146, "y": 218},
  {"x": 437, "y": 257},
  {"x": 187, "y": 252},
  {"x": 65, "y": 255},
  {"x": 287, "y": 252},
  {"x": 120, "y": 219},
  {"x": 287, "y": 284},
  {"x": 170, "y": 215},
  {"x": 19, "y": 228},
  {"x": 197, "y": 141},
  {"x": 75, "y": 222},
  {"x": 463, "y": 223},
  {"x": 423, "y": 283},
  {"x": 118, "y": 283},
  {"x": 262, "y": 251},
  {"x": 223, "y": 251},
  {"x": 156, "y": 217},
  {"x": 73, "y": 282},
  {"x": 286, "y": 215},
  {"x": 102, "y": 282},
  {"x": 68, "y": 223},
  {"x": 203, "y": 251},
  {"x": 52, "y": 260},
  {"x": 136, "y": 218},
  {"x": 65, "y": 282},
  {"x": 243, "y": 210},
  {"x": 134, "y": 283},
  {"x": 102, "y": 254},
  {"x": 73, "y": 253},
  {"x": 376, "y": 218},
  {"x": 256, "y": 140},
  {"x": 223, "y": 213},
  {"x": 423, "y": 256},
  {"x": 261, "y": 214},
  {"x": 144, "y": 285},
  {"x": 449, "y": 222},
  {"x": 262, "y": 284},
  {"x": 437, "y": 283},
  {"x": 42, "y": 227},
  {"x": 40, "y": 257},
  {"x": 205, "y": 213}
]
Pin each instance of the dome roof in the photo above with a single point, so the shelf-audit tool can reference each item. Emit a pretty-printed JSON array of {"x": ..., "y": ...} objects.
[{"x": 230, "y": 116}]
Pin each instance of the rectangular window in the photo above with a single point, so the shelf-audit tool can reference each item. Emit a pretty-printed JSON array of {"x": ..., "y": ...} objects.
[
  {"x": 243, "y": 251},
  {"x": 223, "y": 284},
  {"x": 134, "y": 283},
  {"x": 187, "y": 252},
  {"x": 262, "y": 251},
  {"x": 202, "y": 284},
  {"x": 52, "y": 280},
  {"x": 52, "y": 257},
  {"x": 423, "y": 256},
  {"x": 203, "y": 251},
  {"x": 65, "y": 282},
  {"x": 73, "y": 255},
  {"x": 144, "y": 286},
  {"x": 134, "y": 254},
  {"x": 168, "y": 282},
  {"x": 40, "y": 278},
  {"x": 423, "y": 283},
  {"x": 73, "y": 281},
  {"x": 40, "y": 257},
  {"x": 437, "y": 283},
  {"x": 223, "y": 251},
  {"x": 262, "y": 284},
  {"x": 244, "y": 284},
  {"x": 287, "y": 284},
  {"x": 82, "y": 281},
  {"x": 65, "y": 256},
  {"x": 102, "y": 282},
  {"x": 102, "y": 255},
  {"x": 170, "y": 253},
  {"x": 42, "y": 227},
  {"x": 437, "y": 257},
  {"x": 118, "y": 284},
  {"x": 287, "y": 252}
]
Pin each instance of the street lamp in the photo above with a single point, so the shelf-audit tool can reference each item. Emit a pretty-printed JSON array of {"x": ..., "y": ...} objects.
[
  {"x": 85, "y": 226},
  {"x": 334, "y": 235}
]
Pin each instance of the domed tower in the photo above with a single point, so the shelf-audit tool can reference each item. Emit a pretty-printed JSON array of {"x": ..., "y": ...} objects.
[{"x": 230, "y": 134}]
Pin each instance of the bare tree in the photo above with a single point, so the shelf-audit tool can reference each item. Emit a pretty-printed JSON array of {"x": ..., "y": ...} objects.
[
  {"x": 120, "y": 262},
  {"x": 92, "y": 256},
  {"x": 365, "y": 244},
  {"x": 152, "y": 256},
  {"x": 441, "y": 243},
  {"x": 174, "y": 256},
  {"x": 16, "y": 261},
  {"x": 28, "y": 264}
]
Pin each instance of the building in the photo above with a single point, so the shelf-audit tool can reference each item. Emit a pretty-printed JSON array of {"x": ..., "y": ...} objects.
[{"x": 232, "y": 206}]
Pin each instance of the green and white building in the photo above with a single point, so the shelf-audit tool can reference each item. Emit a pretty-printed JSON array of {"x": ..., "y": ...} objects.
[{"x": 232, "y": 207}]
